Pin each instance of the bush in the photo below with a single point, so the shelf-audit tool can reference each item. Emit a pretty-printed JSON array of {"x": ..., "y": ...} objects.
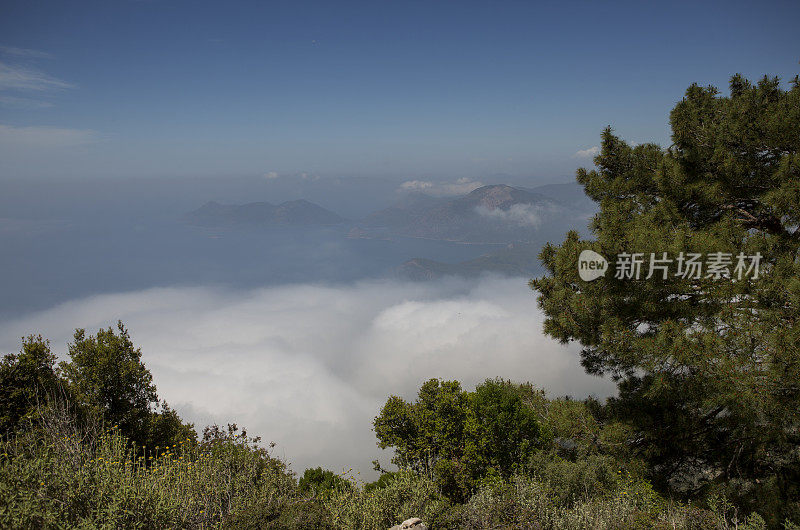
[
  {"x": 299, "y": 514},
  {"x": 406, "y": 495},
  {"x": 64, "y": 478},
  {"x": 384, "y": 480},
  {"x": 570, "y": 482},
  {"x": 458, "y": 437},
  {"x": 321, "y": 482},
  {"x": 524, "y": 502}
]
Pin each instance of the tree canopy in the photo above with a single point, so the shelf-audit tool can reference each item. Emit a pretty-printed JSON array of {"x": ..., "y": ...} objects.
[
  {"x": 105, "y": 382},
  {"x": 707, "y": 360},
  {"x": 459, "y": 438},
  {"x": 26, "y": 379},
  {"x": 107, "y": 374}
]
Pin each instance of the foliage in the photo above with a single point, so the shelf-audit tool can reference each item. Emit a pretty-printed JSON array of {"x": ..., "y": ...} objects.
[
  {"x": 66, "y": 478},
  {"x": 383, "y": 481},
  {"x": 425, "y": 431},
  {"x": 65, "y": 475},
  {"x": 707, "y": 368},
  {"x": 26, "y": 379},
  {"x": 408, "y": 494},
  {"x": 525, "y": 502},
  {"x": 165, "y": 427},
  {"x": 296, "y": 515},
  {"x": 457, "y": 438},
  {"x": 572, "y": 481},
  {"x": 321, "y": 482},
  {"x": 105, "y": 382},
  {"x": 502, "y": 432},
  {"x": 109, "y": 378}
]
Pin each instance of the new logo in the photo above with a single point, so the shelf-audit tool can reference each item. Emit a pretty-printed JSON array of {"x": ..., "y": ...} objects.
[{"x": 591, "y": 265}]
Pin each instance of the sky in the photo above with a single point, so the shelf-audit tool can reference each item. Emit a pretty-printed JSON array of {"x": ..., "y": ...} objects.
[{"x": 126, "y": 88}]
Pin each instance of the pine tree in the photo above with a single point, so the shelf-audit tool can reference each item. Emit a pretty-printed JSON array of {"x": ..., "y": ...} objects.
[{"x": 708, "y": 364}]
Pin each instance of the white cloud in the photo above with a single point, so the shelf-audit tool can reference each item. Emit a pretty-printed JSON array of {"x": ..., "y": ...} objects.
[
  {"x": 441, "y": 189},
  {"x": 20, "y": 78},
  {"x": 586, "y": 153},
  {"x": 518, "y": 214},
  {"x": 416, "y": 185},
  {"x": 309, "y": 366},
  {"x": 271, "y": 175}
]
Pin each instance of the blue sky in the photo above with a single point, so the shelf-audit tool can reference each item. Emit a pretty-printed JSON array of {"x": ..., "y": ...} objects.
[{"x": 436, "y": 89}]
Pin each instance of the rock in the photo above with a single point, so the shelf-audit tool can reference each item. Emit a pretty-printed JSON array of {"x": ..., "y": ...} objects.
[{"x": 415, "y": 523}]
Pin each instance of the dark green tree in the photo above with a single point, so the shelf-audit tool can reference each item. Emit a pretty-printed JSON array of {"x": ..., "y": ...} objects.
[
  {"x": 107, "y": 375},
  {"x": 108, "y": 379},
  {"x": 459, "y": 438},
  {"x": 165, "y": 427},
  {"x": 708, "y": 367},
  {"x": 426, "y": 431},
  {"x": 427, "y": 435},
  {"x": 27, "y": 380},
  {"x": 321, "y": 482},
  {"x": 502, "y": 432}
]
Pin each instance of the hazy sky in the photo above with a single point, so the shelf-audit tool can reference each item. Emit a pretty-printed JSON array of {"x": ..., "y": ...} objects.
[{"x": 119, "y": 87}]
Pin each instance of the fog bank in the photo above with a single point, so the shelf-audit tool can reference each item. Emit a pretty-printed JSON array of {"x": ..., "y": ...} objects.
[{"x": 309, "y": 365}]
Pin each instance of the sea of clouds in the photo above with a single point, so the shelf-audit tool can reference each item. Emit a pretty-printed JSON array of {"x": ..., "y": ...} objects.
[{"x": 308, "y": 366}]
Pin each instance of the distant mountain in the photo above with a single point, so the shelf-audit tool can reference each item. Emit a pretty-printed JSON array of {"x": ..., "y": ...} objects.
[
  {"x": 299, "y": 212},
  {"x": 490, "y": 214},
  {"x": 553, "y": 209}
]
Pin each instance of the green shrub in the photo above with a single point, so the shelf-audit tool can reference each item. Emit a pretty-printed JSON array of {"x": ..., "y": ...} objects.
[
  {"x": 298, "y": 514},
  {"x": 569, "y": 482},
  {"x": 321, "y": 482},
  {"x": 524, "y": 502},
  {"x": 406, "y": 495},
  {"x": 50, "y": 479},
  {"x": 384, "y": 480}
]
